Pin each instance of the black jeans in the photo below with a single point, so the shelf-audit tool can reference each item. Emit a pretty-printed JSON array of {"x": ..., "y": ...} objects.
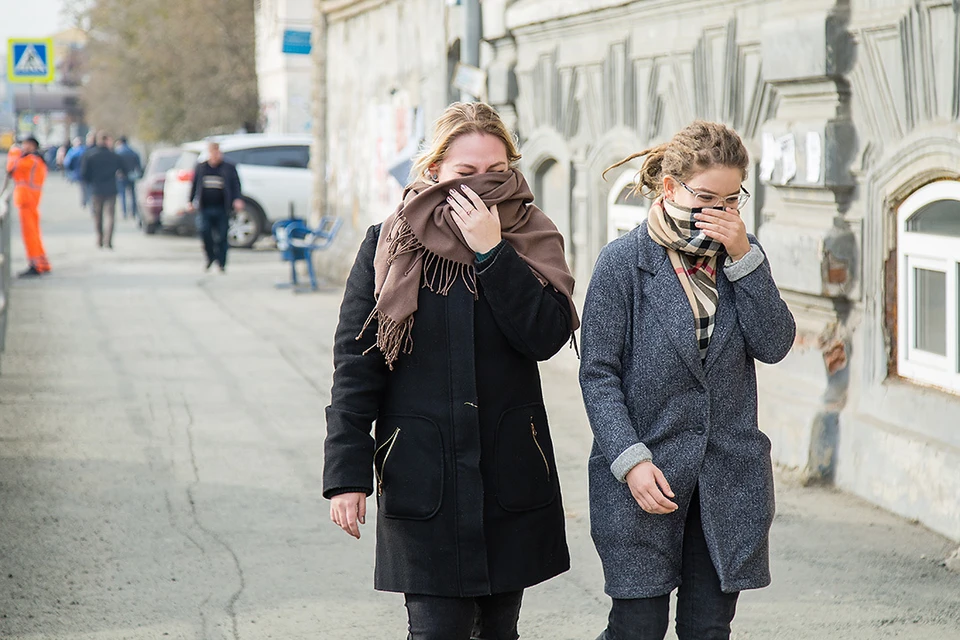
[
  {"x": 483, "y": 618},
  {"x": 214, "y": 224},
  {"x": 704, "y": 612}
]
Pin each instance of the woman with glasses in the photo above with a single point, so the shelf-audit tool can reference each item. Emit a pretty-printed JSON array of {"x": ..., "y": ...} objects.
[{"x": 678, "y": 310}]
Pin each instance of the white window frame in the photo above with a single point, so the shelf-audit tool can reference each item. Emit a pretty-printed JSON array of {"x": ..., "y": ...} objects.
[
  {"x": 624, "y": 217},
  {"x": 933, "y": 253}
]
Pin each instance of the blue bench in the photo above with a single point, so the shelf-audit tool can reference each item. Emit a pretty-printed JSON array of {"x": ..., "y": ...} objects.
[{"x": 297, "y": 241}]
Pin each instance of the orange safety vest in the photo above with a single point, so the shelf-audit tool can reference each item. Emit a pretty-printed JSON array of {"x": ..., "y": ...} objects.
[
  {"x": 29, "y": 172},
  {"x": 12, "y": 156}
]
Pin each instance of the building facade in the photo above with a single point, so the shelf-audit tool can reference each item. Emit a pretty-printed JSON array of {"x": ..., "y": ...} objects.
[
  {"x": 851, "y": 111},
  {"x": 387, "y": 67},
  {"x": 284, "y": 66}
]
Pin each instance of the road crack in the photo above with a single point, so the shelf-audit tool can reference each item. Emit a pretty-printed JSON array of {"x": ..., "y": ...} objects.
[{"x": 231, "y": 606}]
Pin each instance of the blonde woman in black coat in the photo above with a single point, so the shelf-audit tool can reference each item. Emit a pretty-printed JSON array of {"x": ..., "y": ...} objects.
[{"x": 450, "y": 305}]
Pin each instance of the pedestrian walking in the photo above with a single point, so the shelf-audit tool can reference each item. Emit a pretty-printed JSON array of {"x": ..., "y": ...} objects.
[
  {"x": 214, "y": 194},
  {"x": 28, "y": 172},
  {"x": 49, "y": 156},
  {"x": 678, "y": 310},
  {"x": 127, "y": 183},
  {"x": 62, "y": 155},
  {"x": 101, "y": 168},
  {"x": 72, "y": 163},
  {"x": 451, "y": 303}
]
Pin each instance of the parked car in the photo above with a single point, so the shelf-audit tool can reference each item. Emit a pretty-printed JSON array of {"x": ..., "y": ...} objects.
[
  {"x": 274, "y": 175},
  {"x": 150, "y": 186}
]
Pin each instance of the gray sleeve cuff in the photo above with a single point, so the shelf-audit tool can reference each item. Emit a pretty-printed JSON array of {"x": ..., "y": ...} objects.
[
  {"x": 745, "y": 265},
  {"x": 629, "y": 459}
]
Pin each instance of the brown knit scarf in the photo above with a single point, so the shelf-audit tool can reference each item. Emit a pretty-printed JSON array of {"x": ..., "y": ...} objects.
[{"x": 421, "y": 246}]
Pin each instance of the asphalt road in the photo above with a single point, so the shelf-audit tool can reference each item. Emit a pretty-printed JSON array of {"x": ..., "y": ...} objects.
[{"x": 161, "y": 439}]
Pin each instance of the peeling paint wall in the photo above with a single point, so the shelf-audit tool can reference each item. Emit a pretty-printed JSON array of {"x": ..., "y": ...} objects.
[{"x": 386, "y": 82}]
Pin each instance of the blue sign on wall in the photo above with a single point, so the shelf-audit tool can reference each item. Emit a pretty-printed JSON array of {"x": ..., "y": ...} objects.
[{"x": 296, "y": 42}]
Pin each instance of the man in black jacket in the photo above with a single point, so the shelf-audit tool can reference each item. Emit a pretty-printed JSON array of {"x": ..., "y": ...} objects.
[
  {"x": 101, "y": 168},
  {"x": 215, "y": 192}
]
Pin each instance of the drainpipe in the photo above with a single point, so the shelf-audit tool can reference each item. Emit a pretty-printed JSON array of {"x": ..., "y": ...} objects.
[
  {"x": 470, "y": 43},
  {"x": 318, "y": 154}
]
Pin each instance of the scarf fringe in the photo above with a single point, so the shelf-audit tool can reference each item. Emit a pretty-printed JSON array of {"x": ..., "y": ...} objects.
[
  {"x": 439, "y": 274},
  {"x": 402, "y": 240},
  {"x": 393, "y": 338}
]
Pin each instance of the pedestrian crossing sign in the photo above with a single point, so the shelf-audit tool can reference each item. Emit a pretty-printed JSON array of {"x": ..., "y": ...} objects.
[{"x": 30, "y": 60}]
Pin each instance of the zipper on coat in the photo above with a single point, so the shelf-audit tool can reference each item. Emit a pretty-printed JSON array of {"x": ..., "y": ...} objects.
[
  {"x": 533, "y": 431},
  {"x": 392, "y": 440}
]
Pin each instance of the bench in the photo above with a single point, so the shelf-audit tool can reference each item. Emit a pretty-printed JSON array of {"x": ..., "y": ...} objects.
[{"x": 297, "y": 241}]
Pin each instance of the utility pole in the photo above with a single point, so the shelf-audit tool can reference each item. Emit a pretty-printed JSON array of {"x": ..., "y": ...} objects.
[
  {"x": 318, "y": 155},
  {"x": 470, "y": 43}
]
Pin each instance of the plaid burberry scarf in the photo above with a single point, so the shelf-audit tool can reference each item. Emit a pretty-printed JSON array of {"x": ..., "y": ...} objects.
[{"x": 694, "y": 259}]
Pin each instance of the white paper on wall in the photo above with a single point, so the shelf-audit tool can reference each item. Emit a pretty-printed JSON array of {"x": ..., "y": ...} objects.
[
  {"x": 769, "y": 155},
  {"x": 814, "y": 154},
  {"x": 788, "y": 157}
]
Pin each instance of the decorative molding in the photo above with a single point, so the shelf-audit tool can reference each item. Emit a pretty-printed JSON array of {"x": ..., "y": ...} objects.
[
  {"x": 908, "y": 73},
  {"x": 720, "y": 79},
  {"x": 340, "y": 10}
]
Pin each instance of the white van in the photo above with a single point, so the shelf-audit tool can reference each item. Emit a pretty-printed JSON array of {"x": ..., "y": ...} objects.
[{"x": 275, "y": 180}]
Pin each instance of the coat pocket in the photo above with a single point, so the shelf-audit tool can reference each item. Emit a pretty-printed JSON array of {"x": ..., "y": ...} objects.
[
  {"x": 408, "y": 467},
  {"x": 526, "y": 470}
]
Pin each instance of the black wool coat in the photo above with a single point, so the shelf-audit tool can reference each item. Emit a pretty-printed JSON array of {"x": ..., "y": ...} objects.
[{"x": 461, "y": 459}]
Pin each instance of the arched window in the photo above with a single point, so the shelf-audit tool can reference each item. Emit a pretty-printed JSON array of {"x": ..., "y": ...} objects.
[
  {"x": 928, "y": 328},
  {"x": 625, "y": 209}
]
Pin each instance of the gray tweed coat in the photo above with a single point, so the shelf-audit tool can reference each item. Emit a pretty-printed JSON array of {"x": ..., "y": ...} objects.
[{"x": 648, "y": 396}]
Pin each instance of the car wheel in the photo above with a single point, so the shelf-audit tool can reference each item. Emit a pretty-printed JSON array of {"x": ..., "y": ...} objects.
[{"x": 246, "y": 226}]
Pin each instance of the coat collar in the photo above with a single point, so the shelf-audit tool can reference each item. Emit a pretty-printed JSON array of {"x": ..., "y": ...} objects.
[
  {"x": 667, "y": 297},
  {"x": 650, "y": 255}
]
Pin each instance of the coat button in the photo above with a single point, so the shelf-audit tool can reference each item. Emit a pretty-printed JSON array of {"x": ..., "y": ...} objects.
[{"x": 700, "y": 431}]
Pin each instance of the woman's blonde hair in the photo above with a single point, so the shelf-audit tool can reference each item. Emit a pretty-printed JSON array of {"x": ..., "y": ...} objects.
[
  {"x": 463, "y": 118},
  {"x": 698, "y": 147}
]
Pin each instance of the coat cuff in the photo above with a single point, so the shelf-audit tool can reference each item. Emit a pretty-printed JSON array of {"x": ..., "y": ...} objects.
[
  {"x": 745, "y": 265},
  {"x": 332, "y": 493},
  {"x": 629, "y": 459}
]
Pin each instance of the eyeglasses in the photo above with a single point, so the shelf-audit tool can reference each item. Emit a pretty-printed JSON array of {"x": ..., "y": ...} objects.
[{"x": 709, "y": 200}]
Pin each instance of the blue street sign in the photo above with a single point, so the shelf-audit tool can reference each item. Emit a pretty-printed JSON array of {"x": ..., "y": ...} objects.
[
  {"x": 30, "y": 60},
  {"x": 296, "y": 42}
]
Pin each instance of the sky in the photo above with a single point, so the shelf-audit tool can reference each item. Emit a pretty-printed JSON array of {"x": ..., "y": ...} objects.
[{"x": 33, "y": 19}]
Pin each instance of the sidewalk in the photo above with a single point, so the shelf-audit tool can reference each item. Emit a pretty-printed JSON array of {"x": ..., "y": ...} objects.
[{"x": 161, "y": 437}]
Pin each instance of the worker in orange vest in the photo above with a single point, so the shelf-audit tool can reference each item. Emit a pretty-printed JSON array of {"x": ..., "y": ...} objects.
[{"x": 28, "y": 171}]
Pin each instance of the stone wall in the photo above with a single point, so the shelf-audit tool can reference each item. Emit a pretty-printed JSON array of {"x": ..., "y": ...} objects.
[
  {"x": 852, "y": 105},
  {"x": 847, "y": 107},
  {"x": 387, "y": 79}
]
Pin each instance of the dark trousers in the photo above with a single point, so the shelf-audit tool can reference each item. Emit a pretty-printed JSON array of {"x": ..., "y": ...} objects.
[
  {"x": 214, "y": 224},
  {"x": 483, "y": 618},
  {"x": 104, "y": 212},
  {"x": 704, "y": 612},
  {"x": 127, "y": 188}
]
